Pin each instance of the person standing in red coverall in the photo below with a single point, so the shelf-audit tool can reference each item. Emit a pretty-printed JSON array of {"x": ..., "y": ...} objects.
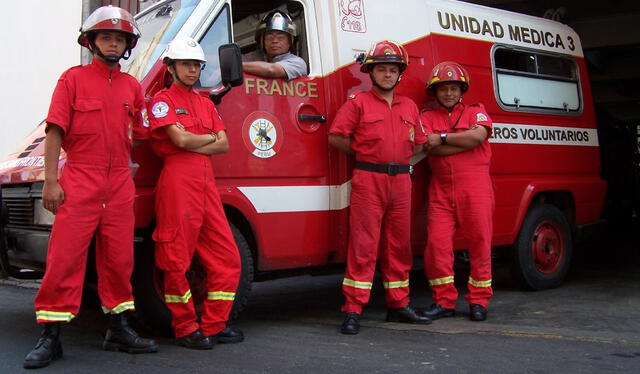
[
  {"x": 185, "y": 131},
  {"x": 460, "y": 193},
  {"x": 383, "y": 130},
  {"x": 95, "y": 113}
]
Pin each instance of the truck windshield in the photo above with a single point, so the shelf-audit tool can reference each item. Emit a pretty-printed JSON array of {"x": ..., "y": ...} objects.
[{"x": 158, "y": 25}]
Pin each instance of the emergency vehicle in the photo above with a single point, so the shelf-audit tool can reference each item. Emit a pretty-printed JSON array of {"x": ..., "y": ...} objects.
[{"x": 286, "y": 191}]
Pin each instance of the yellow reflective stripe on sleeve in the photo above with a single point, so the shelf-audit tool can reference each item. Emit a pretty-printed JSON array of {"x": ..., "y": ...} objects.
[
  {"x": 475, "y": 283},
  {"x": 396, "y": 284},
  {"x": 177, "y": 298},
  {"x": 47, "y": 315},
  {"x": 127, "y": 305},
  {"x": 441, "y": 281},
  {"x": 221, "y": 295},
  {"x": 356, "y": 284}
]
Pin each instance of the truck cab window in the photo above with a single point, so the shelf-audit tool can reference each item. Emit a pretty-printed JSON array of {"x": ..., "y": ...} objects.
[
  {"x": 158, "y": 25},
  {"x": 219, "y": 33},
  {"x": 536, "y": 82},
  {"x": 247, "y": 16}
]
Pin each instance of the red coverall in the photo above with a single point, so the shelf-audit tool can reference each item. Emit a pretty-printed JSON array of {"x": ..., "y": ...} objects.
[
  {"x": 190, "y": 217},
  {"x": 380, "y": 210},
  {"x": 100, "y": 111},
  {"x": 460, "y": 197}
]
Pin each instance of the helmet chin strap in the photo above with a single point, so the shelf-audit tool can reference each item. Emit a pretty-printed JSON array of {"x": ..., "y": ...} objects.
[
  {"x": 382, "y": 88},
  {"x": 177, "y": 76},
  {"x": 97, "y": 51}
]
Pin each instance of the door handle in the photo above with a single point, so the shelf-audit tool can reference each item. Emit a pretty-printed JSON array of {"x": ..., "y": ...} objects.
[{"x": 312, "y": 117}]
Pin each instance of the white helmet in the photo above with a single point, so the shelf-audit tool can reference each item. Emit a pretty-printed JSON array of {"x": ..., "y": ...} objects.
[{"x": 183, "y": 48}]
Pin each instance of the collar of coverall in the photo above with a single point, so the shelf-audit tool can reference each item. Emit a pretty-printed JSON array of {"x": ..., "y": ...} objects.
[
  {"x": 181, "y": 90},
  {"x": 103, "y": 69},
  {"x": 377, "y": 95},
  {"x": 459, "y": 106}
]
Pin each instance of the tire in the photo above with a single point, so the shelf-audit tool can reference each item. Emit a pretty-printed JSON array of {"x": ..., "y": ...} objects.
[
  {"x": 542, "y": 252},
  {"x": 147, "y": 281}
]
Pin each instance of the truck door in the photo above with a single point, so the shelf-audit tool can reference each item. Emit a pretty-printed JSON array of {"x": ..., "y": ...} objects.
[{"x": 278, "y": 143}]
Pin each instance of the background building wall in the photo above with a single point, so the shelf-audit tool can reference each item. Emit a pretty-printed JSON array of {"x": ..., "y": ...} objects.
[{"x": 39, "y": 43}]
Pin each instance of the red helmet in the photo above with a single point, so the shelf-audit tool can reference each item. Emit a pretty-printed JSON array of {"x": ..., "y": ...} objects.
[
  {"x": 448, "y": 71},
  {"x": 109, "y": 18},
  {"x": 385, "y": 52}
]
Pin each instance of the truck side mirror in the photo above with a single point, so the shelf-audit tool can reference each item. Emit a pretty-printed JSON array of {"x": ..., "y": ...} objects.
[{"x": 230, "y": 70}]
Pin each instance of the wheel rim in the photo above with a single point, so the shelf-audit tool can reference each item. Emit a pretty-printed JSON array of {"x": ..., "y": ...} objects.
[{"x": 547, "y": 247}]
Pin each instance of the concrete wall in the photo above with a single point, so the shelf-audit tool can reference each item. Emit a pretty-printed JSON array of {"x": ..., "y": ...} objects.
[{"x": 39, "y": 43}]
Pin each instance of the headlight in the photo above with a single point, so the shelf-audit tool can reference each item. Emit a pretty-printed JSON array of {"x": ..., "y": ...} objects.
[{"x": 41, "y": 216}]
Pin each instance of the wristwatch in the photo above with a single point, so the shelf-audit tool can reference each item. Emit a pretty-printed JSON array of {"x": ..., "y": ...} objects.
[{"x": 443, "y": 138}]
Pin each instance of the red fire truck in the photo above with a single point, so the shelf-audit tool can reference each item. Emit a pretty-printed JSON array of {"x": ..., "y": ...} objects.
[{"x": 286, "y": 192}]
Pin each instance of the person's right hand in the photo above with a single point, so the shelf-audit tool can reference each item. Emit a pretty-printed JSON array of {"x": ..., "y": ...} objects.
[{"x": 52, "y": 196}]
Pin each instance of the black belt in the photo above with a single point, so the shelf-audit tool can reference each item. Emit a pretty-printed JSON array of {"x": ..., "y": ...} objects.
[{"x": 390, "y": 169}]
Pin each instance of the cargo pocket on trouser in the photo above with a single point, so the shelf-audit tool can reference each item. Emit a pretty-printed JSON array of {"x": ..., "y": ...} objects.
[{"x": 170, "y": 255}]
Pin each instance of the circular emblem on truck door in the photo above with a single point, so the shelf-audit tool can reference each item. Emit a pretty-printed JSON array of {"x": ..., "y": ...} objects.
[{"x": 262, "y": 134}]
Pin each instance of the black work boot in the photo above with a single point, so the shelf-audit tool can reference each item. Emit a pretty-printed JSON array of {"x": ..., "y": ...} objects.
[
  {"x": 407, "y": 315},
  {"x": 121, "y": 337},
  {"x": 47, "y": 349},
  {"x": 195, "y": 340},
  {"x": 228, "y": 335},
  {"x": 351, "y": 324}
]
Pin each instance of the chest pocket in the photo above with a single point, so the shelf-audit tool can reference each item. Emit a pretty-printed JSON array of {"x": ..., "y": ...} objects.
[
  {"x": 373, "y": 127},
  {"x": 87, "y": 117}
]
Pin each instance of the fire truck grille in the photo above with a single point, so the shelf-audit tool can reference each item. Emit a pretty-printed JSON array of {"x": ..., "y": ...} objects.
[
  {"x": 20, "y": 211},
  {"x": 18, "y": 205}
]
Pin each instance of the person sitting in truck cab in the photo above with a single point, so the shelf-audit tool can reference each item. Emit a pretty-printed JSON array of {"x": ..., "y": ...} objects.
[{"x": 275, "y": 36}]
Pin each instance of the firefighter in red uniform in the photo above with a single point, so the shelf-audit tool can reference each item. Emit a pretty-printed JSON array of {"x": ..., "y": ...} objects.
[
  {"x": 383, "y": 130},
  {"x": 460, "y": 192},
  {"x": 95, "y": 112},
  {"x": 185, "y": 131}
]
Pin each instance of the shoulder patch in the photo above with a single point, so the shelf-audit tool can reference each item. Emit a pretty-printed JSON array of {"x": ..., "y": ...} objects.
[
  {"x": 160, "y": 109},
  {"x": 481, "y": 117}
]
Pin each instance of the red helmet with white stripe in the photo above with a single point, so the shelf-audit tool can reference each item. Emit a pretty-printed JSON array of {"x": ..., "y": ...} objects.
[
  {"x": 109, "y": 18},
  {"x": 385, "y": 52},
  {"x": 448, "y": 71}
]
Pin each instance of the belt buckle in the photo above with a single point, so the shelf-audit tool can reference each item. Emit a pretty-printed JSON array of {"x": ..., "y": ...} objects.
[{"x": 393, "y": 169}]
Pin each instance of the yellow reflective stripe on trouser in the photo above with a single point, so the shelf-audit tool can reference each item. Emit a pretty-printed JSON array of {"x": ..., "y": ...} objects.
[
  {"x": 47, "y": 315},
  {"x": 475, "y": 283},
  {"x": 127, "y": 305},
  {"x": 177, "y": 298},
  {"x": 441, "y": 281},
  {"x": 221, "y": 295},
  {"x": 396, "y": 284},
  {"x": 356, "y": 284}
]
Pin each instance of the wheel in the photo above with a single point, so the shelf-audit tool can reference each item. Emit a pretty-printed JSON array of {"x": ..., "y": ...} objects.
[
  {"x": 542, "y": 252},
  {"x": 147, "y": 281}
]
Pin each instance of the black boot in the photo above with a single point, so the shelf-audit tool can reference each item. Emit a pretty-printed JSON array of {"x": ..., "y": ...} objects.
[
  {"x": 228, "y": 335},
  {"x": 351, "y": 324},
  {"x": 121, "y": 337},
  {"x": 47, "y": 349},
  {"x": 407, "y": 315}
]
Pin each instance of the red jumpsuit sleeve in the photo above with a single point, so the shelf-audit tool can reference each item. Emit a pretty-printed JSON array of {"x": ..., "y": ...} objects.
[
  {"x": 61, "y": 107},
  {"x": 162, "y": 114},
  {"x": 426, "y": 117},
  {"x": 218, "y": 125},
  {"x": 346, "y": 119},
  {"x": 141, "y": 119},
  {"x": 420, "y": 134},
  {"x": 480, "y": 116}
]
